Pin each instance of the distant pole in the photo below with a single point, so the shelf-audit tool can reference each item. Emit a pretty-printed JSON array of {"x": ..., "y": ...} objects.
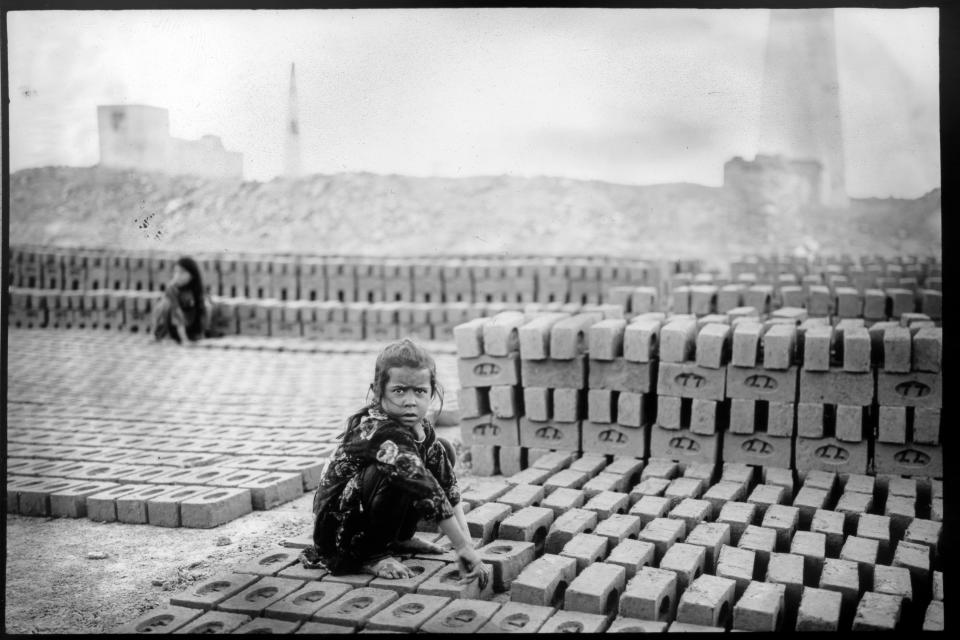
[
  {"x": 800, "y": 116},
  {"x": 292, "y": 157}
]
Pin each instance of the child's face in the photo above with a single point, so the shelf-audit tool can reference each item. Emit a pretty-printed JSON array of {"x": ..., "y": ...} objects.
[
  {"x": 407, "y": 394},
  {"x": 181, "y": 276}
]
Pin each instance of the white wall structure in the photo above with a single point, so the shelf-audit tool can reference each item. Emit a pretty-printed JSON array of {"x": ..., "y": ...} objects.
[
  {"x": 800, "y": 111},
  {"x": 138, "y": 137}
]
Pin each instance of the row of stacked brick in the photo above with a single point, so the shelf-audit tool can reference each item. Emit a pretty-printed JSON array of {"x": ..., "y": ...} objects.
[
  {"x": 584, "y": 544},
  {"x": 874, "y": 291},
  {"x": 132, "y": 311},
  {"x": 346, "y": 278},
  {"x": 788, "y": 392}
]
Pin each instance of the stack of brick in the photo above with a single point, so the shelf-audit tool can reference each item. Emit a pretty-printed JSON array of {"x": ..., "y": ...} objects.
[
  {"x": 909, "y": 402},
  {"x": 836, "y": 396},
  {"x": 761, "y": 387},
  {"x": 691, "y": 381}
]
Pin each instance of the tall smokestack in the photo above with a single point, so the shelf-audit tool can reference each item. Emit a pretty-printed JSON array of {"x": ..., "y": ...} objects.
[
  {"x": 800, "y": 114},
  {"x": 292, "y": 156}
]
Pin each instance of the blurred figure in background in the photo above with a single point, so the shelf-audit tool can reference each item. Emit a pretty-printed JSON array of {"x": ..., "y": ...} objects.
[{"x": 183, "y": 312}]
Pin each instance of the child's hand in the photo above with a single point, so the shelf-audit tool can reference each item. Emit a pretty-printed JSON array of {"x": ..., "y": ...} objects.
[{"x": 471, "y": 568}]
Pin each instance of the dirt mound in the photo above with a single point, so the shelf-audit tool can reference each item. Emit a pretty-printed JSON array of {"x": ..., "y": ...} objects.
[{"x": 363, "y": 213}]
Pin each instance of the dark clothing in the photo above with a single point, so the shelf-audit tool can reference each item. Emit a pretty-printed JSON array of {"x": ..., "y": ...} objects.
[
  {"x": 178, "y": 306},
  {"x": 375, "y": 488}
]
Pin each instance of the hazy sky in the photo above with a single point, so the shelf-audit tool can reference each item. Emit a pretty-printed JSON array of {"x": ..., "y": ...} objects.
[{"x": 637, "y": 96}]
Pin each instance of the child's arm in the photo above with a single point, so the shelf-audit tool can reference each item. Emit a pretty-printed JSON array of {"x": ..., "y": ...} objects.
[
  {"x": 461, "y": 520},
  {"x": 467, "y": 558}
]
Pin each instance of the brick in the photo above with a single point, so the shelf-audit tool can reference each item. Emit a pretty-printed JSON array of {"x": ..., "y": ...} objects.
[
  {"x": 723, "y": 492},
  {"x": 215, "y": 507},
  {"x": 925, "y": 532},
  {"x": 507, "y": 557},
  {"x": 875, "y": 527},
  {"x": 484, "y": 459},
  {"x": 422, "y": 570},
  {"x": 703, "y": 471},
  {"x": 71, "y": 500},
  {"x": 836, "y": 387},
  {"x": 407, "y": 614},
  {"x": 484, "y": 521},
  {"x": 596, "y": 589},
  {"x": 819, "y": 610},
  {"x": 102, "y": 507},
  {"x": 739, "y": 515},
  {"x": 849, "y": 423},
  {"x": 568, "y": 525},
  {"x": 649, "y": 487},
  {"x": 34, "y": 498},
  {"x": 607, "y": 503},
  {"x": 764, "y": 495},
  {"x": 534, "y": 336},
  {"x": 622, "y": 375},
  {"x": 562, "y": 500},
  {"x": 677, "y": 341},
  {"x": 892, "y": 425},
  {"x": 272, "y": 489},
  {"x": 856, "y": 350},
  {"x": 707, "y": 602},
  {"x": 212, "y": 591},
  {"x": 703, "y": 417},
  {"x": 938, "y": 585},
  {"x": 214, "y": 622},
  {"x": 686, "y": 560},
  {"x": 585, "y": 549},
  {"x": 641, "y": 340},
  {"x": 568, "y": 336},
  {"x": 530, "y": 475},
  {"x": 487, "y": 491},
  {"x": 605, "y": 339},
  {"x": 897, "y": 350},
  {"x": 517, "y": 618},
  {"x": 567, "y": 479},
  {"x": 831, "y": 525},
  {"x": 651, "y": 507},
  {"x": 713, "y": 344},
  {"x": 601, "y": 405},
  {"x": 447, "y": 583},
  {"x": 926, "y": 426},
  {"x": 712, "y": 536},
  {"x": 842, "y": 576},
  {"x": 760, "y": 540},
  {"x": 893, "y": 581},
  {"x": 739, "y": 473},
  {"x": 537, "y": 403},
  {"x": 604, "y": 482},
  {"x": 933, "y": 618},
  {"x": 160, "y": 620},
  {"x": 304, "y": 602},
  {"x": 552, "y": 373},
  {"x": 761, "y": 608},
  {"x": 851, "y": 504},
  {"x": 877, "y": 612},
  {"x": 468, "y": 337},
  {"x": 297, "y": 571},
  {"x": 912, "y": 458},
  {"x": 500, "y": 335},
  {"x": 633, "y": 555},
  {"x": 660, "y": 468},
  {"x": 271, "y": 563},
  {"x": 488, "y": 371},
  {"x": 574, "y": 622},
  {"x": 567, "y": 405},
  {"x": 784, "y": 520},
  {"x": 817, "y": 343},
  {"x": 669, "y": 412},
  {"x": 618, "y": 527},
  {"x": 691, "y": 511},
  {"x": 511, "y": 459},
  {"x": 461, "y": 616},
  {"x": 258, "y": 596},
  {"x": 663, "y": 533},
  {"x": 746, "y": 344},
  {"x": 812, "y": 546},
  {"x": 688, "y": 380},
  {"x": 544, "y": 581},
  {"x": 522, "y": 495}
]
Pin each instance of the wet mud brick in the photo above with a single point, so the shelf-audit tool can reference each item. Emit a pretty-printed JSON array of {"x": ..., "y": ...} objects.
[
  {"x": 787, "y": 569},
  {"x": 618, "y": 527},
  {"x": 808, "y": 500},
  {"x": 783, "y": 519},
  {"x": 534, "y": 336},
  {"x": 513, "y": 617},
  {"x": 605, "y": 482},
  {"x": 686, "y": 560},
  {"x": 270, "y": 563},
  {"x": 565, "y": 479},
  {"x": 633, "y": 555},
  {"x": 739, "y": 515},
  {"x": 259, "y": 595},
  {"x": 71, "y": 501},
  {"x": 574, "y": 622},
  {"x": 530, "y": 475},
  {"x": 554, "y": 461},
  {"x": 491, "y": 430},
  {"x": 760, "y": 608},
  {"x": 692, "y": 512},
  {"x": 830, "y": 454},
  {"x": 161, "y": 620},
  {"x": 164, "y": 510},
  {"x": 842, "y": 576},
  {"x": 909, "y": 459},
  {"x": 819, "y": 610},
  {"x": 723, "y": 492},
  {"x": 272, "y": 489},
  {"x": 268, "y": 625},
  {"x": 876, "y": 527},
  {"x": 712, "y": 536},
  {"x": 877, "y": 612},
  {"x": 836, "y": 386},
  {"x": 102, "y": 506},
  {"x": 640, "y": 340},
  {"x": 613, "y": 438},
  {"x": 684, "y": 445},
  {"x": 355, "y": 607},
  {"x": 925, "y": 532},
  {"x": 522, "y": 495},
  {"x": 484, "y": 521},
  {"x": 550, "y": 435},
  {"x": 761, "y": 540},
  {"x": 651, "y": 486},
  {"x": 933, "y": 619},
  {"x": 132, "y": 507},
  {"x": 507, "y": 557},
  {"x": 487, "y": 371},
  {"x": 916, "y": 559},
  {"x": 544, "y": 581},
  {"x": 407, "y": 614},
  {"x": 738, "y": 565},
  {"x": 555, "y": 374},
  {"x": 650, "y": 595},
  {"x": 660, "y": 468},
  {"x": 608, "y": 503},
  {"x": 562, "y": 500},
  {"x": 813, "y": 547},
  {"x": 567, "y": 525},
  {"x": 649, "y": 508},
  {"x": 500, "y": 336},
  {"x": 447, "y": 582},
  {"x": 596, "y": 589},
  {"x": 690, "y": 380},
  {"x": 755, "y": 383},
  {"x": 211, "y": 592},
  {"x": 512, "y": 459},
  {"x": 585, "y": 549},
  {"x": 485, "y": 459},
  {"x": 468, "y": 338},
  {"x": 34, "y": 497},
  {"x": 895, "y": 581},
  {"x": 663, "y": 533},
  {"x": 529, "y": 524},
  {"x": 486, "y": 491},
  {"x": 461, "y": 616},
  {"x": 214, "y": 622},
  {"x": 707, "y": 602},
  {"x": 621, "y": 374},
  {"x": 304, "y": 602},
  {"x": 764, "y": 495},
  {"x": 590, "y": 463},
  {"x": 215, "y": 507}
]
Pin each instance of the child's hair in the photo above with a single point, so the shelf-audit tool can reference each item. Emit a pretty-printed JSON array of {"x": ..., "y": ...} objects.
[
  {"x": 195, "y": 286},
  {"x": 403, "y": 353}
]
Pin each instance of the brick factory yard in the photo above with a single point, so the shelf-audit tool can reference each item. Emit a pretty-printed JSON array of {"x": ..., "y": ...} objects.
[{"x": 74, "y": 382}]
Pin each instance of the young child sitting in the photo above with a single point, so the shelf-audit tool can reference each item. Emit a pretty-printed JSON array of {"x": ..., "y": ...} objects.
[
  {"x": 390, "y": 471},
  {"x": 182, "y": 312}
]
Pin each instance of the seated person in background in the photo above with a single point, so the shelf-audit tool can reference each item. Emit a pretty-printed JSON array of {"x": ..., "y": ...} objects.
[{"x": 182, "y": 313}]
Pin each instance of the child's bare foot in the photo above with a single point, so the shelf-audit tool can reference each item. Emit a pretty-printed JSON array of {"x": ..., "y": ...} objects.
[
  {"x": 388, "y": 567},
  {"x": 417, "y": 545}
]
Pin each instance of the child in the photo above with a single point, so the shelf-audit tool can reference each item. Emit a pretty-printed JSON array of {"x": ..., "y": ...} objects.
[
  {"x": 390, "y": 471},
  {"x": 182, "y": 312}
]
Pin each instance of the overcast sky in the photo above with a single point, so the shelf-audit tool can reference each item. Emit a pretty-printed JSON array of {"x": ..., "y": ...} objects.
[{"x": 636, "y": 96}]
